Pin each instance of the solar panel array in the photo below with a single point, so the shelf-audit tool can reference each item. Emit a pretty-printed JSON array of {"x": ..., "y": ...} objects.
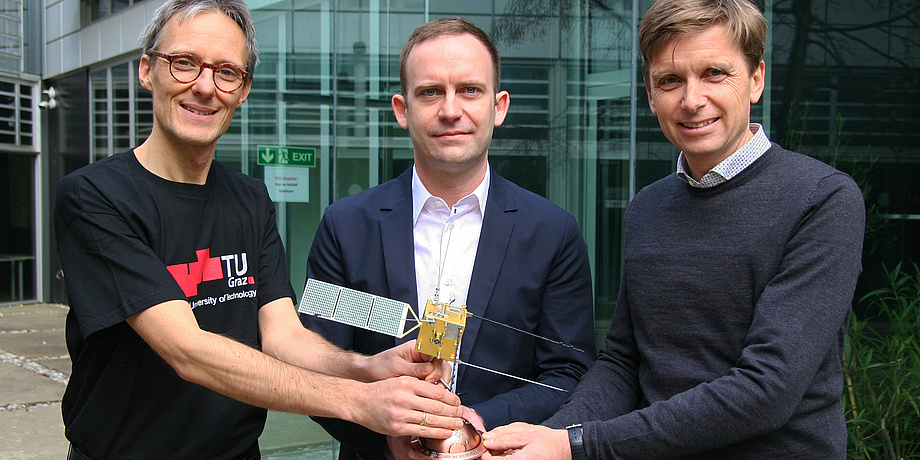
[{"x": 355, "y": 308}]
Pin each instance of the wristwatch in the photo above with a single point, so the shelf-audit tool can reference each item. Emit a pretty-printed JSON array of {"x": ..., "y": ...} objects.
[{"x": 576, "y": 442}]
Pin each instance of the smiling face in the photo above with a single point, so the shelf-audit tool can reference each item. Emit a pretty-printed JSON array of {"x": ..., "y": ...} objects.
[
  {"x": 194, "y": 115},
  {"x": 450, "y": 107},
  {"x": 701, "y": 89}
]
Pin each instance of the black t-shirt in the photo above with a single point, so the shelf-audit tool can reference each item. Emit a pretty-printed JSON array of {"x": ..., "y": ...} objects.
[{"x": 129, "y": 240}]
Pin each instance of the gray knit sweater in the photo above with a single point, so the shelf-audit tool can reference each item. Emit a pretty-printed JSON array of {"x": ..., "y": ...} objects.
[{"x": 727, "y": 337}]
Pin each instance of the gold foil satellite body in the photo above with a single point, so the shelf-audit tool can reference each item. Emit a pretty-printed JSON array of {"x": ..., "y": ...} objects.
[{"x": 440, "y": 330}]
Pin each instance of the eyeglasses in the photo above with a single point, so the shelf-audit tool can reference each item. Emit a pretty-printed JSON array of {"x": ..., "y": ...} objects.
[{"x": 186, "y": 68}]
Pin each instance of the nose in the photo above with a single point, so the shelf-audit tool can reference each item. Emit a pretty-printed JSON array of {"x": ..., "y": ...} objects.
[
  {"x": 204, "y": 84},
  {"x": 694, "y": 95},
  {"x": 450, "y": 108}
]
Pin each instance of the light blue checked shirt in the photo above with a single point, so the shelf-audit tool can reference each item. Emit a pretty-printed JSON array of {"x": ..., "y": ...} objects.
[{"x": 731, "y": 166}]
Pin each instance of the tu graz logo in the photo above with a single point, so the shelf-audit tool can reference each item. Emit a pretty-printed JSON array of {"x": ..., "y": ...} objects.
[{"x": 233, "y": 267}]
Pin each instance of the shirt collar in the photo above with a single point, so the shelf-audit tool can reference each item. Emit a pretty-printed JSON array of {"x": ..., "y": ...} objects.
[
  {"x": 420, "y": 193},
  {"x": 731, "y": 166}
]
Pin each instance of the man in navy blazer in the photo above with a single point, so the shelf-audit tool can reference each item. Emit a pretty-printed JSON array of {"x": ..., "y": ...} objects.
[{"x": 451, "y": 229}]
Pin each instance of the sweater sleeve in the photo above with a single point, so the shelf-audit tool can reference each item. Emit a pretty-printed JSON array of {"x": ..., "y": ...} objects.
[
  {"x": 564, "y": 312},
  {"x": 611, "y": 386},
  {"x": 788, "y": 369}
]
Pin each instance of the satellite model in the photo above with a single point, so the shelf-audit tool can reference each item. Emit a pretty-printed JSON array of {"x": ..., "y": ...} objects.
[
  {"x": 440, "y": 327},
  {"x": 440, "y": 330}
]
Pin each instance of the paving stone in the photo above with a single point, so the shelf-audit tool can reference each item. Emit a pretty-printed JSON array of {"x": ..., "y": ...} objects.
[
  {"x": 61, "y": 364},
  {"x": 286, "y": 432},
  {"x": 33, "y": 322},
  {"x": 22, "y": 386},
  {"x": 36, "y": 433},
  {"x": 40, "y": 308},
  {"x": 34, "y": 344}
]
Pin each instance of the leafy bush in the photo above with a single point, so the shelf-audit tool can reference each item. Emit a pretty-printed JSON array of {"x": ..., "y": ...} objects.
[{"x": 882, "y": 370}]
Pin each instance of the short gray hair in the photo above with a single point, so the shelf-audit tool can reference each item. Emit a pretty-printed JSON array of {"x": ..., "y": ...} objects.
[{"x": 185, "y": 9}]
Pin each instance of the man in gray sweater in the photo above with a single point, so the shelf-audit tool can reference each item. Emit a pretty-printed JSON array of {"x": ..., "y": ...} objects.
[{"x": 738, "y": 279}]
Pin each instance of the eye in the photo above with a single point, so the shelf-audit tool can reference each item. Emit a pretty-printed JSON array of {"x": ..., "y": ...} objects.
[
  {"x": 668, "y": 82},
  {"x": 229, "y": 72},
  {"x": 469, "y": 90},
  {"x": 429, "y": 92},
  {"x": 716, "y": 74},
  {"x": 185, "y": 62}
]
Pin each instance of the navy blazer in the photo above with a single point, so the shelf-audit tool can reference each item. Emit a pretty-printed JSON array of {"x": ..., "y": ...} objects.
[{"x": 531, "y": 272}]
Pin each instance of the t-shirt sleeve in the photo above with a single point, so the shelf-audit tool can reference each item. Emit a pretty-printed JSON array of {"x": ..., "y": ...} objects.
[{"x": 110, "y": 270}]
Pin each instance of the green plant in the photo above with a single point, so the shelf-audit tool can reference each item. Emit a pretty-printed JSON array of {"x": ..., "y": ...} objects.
[{"x": 882, "y": 369}]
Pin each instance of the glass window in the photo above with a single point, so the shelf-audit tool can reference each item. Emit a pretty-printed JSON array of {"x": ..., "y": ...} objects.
[
  {"x": 18, "y": 153},
  {"x": 99, "y": 103},
  {"x": 17, "y": 227},
  {"x": 11, "y": 36},
  {"x": 94, "y": 10},
  {"x": 328, "y": 73},
  {"x": 17, "y": 116},
  {"x": 120, "y": 110},
  {"x": 850, "y": 98}
]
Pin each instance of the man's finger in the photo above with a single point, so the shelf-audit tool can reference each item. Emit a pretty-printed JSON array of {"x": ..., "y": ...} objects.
[
  {"x": 513, "y": 428},
  {"x": 439, "y": 393},
  {"x": 505, "y": 442}
]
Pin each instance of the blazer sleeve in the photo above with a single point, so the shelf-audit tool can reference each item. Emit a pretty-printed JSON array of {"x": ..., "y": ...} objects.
[{"x": 325, "y": 263}]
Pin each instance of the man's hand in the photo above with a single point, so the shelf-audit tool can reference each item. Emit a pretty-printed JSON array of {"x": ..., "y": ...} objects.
[
  {"x": 524, "y": 441},
  {"x": 401, "y": 449},
  {"x": 402, "y": 360},
  {"x": 402, "y": 400},
  {"x": 407, "y": 406}
]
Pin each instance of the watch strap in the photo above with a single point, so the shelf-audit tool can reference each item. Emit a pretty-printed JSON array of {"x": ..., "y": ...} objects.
[{"x": 577, "y": 442}]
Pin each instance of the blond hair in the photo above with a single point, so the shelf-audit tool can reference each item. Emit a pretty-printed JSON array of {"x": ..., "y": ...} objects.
[{"x": 667, "y": 19}]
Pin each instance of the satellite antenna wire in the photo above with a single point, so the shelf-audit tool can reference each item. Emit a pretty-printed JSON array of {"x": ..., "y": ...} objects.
[
  {"x": 525, "y": 332},
  {"x": 511, "y": 376}
]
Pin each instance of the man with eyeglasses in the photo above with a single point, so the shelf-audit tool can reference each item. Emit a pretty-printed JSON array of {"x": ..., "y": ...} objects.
[{"x": 182, "y": 328}]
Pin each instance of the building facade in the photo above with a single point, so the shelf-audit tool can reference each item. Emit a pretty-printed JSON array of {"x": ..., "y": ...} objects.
[
  {"x": 20, "y": 147},
  {"x": 318, "y": 126}
]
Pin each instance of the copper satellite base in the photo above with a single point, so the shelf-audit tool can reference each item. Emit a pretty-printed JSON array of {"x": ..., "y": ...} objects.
[{"x": 465, "y": 443}]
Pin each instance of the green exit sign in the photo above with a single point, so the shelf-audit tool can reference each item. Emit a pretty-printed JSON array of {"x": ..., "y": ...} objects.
[{"x": 274, "y": 155}]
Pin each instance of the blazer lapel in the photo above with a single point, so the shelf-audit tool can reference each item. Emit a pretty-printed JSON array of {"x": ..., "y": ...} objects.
[
  {"x": 497, "y": 228},
  {"x": 398, "y": 243}
]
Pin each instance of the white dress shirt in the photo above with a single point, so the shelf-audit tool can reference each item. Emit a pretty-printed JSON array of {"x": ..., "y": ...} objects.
[{"x": 446, "y": 241}]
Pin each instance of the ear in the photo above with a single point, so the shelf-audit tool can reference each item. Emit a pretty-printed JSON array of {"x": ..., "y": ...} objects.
[
  {"x": 399, "y": 109},
  {"x": 502, "y": 102},
  {"x": 244, "y": 91},
  {"x": 143, "y": 72},
  {"x": 758, "y": 82},
  {"x": 651, "y": 102}
]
